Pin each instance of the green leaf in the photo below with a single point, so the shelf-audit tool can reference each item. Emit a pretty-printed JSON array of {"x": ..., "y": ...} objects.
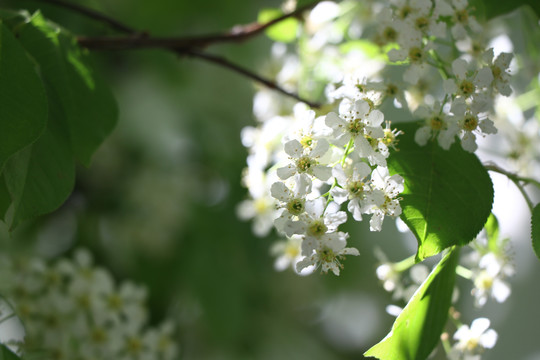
[
  {"x": 88, "y": 105},
  {"x": 41, "y": 177},
  {"x": 23, "y": 104},
  {"x": 6, "y": 354},
  {"x": 448, "y": 193},
  {"x": 535, "y": 230},
  {"x": 283, "y": 31},
  {"x": 492, "y": 230},
  {"x": 493, "y": 8},
  {"x": 417, "y": 329}
]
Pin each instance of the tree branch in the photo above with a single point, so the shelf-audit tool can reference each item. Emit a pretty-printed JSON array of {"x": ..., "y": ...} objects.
[
  {"x": 188, "y": 45},
  {"x": 221, "y": 61}
]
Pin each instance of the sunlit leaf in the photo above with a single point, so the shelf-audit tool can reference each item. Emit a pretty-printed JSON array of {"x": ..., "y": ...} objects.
[
  {"x": 492, "y": 232},
  {"x": 88, "y": 104},
  {"x": 23, "y": 104},
  {"x": 283, "y": 31},
  {"x": 448, "y": 193},
  {"x": 417, "y": 329}
]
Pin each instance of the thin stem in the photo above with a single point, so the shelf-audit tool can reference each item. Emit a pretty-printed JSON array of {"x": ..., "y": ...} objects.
[
  {"x": 219, "y": 60},
  {"x": 93, "y": 14},
  {"x": 347, "y": 151},
  {"x": 404, "y": 264},
  {"x": 517, "y": 181},
  {"x": 464, "y": 272}
]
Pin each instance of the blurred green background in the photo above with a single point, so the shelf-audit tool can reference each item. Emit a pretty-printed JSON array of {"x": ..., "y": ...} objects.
[{"x": 158, "y": 206}]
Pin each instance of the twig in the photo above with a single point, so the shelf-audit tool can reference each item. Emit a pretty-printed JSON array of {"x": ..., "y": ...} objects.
[
  {"x": 219, "y": 60},
  {"x": 96, "y": 15},
  {"x": 517, "y": 181},
  {"x": 236, "y": 34},
  {"x": 190, "y": 45}
]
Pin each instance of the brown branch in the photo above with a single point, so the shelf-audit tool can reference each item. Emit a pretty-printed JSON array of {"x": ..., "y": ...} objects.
[
  {"x": 189, "y": 45},
  {"x": 236, "y": 34},
  {"x": 221, "y": 61}
]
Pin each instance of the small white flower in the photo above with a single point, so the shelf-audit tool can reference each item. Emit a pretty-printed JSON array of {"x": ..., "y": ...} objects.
[
  {"x": 328, "y": 254},
  {"x": 287, "y": 252},
  {"x": 305, "y": 160},
  {"x": 355, "y": 188},
  {"x": 471, "y": 119},
  {"x": 437, "y": 124},
  {"x": 471, "y": 342},
  {"x": 467, "y": 79},
  {"x": 489, "y": 280},
  {"x": 389, "y": 187},
  {"x": 499, "y": 69}
]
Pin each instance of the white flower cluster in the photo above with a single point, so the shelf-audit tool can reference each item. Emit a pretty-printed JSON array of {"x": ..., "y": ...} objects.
[
  {"x": 74, "y": 310},
  {"x": 470, "y": 79},
  {"x": 320, "y": 164}
]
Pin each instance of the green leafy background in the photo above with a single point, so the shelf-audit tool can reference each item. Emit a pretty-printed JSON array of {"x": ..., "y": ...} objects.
[{"x": 157, "y": 203}]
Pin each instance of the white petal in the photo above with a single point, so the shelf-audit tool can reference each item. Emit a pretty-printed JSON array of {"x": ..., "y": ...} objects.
[
  {"x": 294, "y": 227},
  {"x": 503, "y": 60},
  {"x": 320, "y": 148},
  {"x": 422, "y": 135},
  {"x": 479, "y": 325},
  {"x": 304, "y": 263},
  {"x": 487, "y": 56},
  {"x": 376, "y": 221},
  {"x": 362, "y": 146},
  {"x": 350, "y": 251},
  {"x": 334, "y": 121},
  {"x": 462, "y": 333},
  {"x": 334, "y": 220},
  {"x": 375, "y": 118},
  {"x": 500, "y": 290},
  {"x": 484, "y": 77},
  {"x": 315, "y": 208},
  {"x": 286, "y": 172},
  {"x": 245, "y": 210},
  {"x": 339, "y": 195},
  {"x": 458, "y": 32},
  {"x": 360, "y": 171},
  {"x": 439, "y": 30},
  {"x": 468, "y": 142},
  {"x": 449, "y": 86},
  {"x": 443, "y": 8},
  {"x": 354, "y": 208},
  {"x": 294, "y": 149},
  {"x": 374, "y": 132},
  {"x": 488, "y": 339},
  {"x": 339, "y": 174},
  {"x": 397, "y": 55},
  {"x": 322, "y": 172},
  {"x": 280, "y": 191},
  {"x": 459, "y": 67},
  {"x": 419, "y": 273},
  {"x": 362, "y": 107},
  {"x": 412, "y": 74},
  {"x": 488, "y": 127}
]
